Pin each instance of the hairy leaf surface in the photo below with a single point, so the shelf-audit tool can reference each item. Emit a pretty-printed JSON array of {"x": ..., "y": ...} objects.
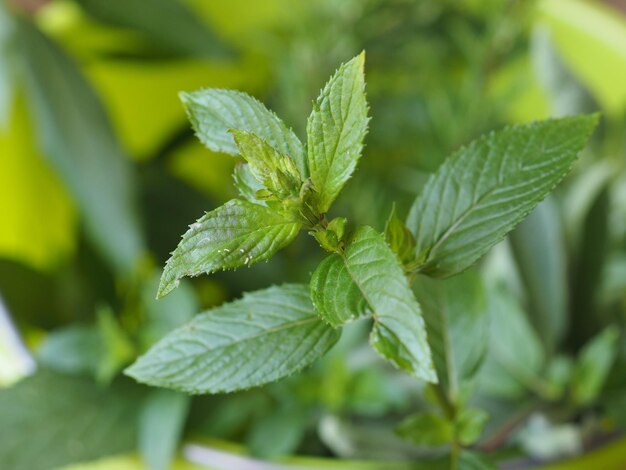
[
  {"x": 482, "y": 191},
  {"x": 260, "y": 338},
  {"x": 336, "y": 129},
  {"x": 236, "y": 234},
  {"x": 367, "y": 279},
  {"x": 214, "y": 111}
]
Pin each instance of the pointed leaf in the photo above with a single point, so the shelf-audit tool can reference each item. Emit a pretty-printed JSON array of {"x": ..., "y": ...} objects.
[
  {"x": 247, "y": 184},
  {"x": 236, "y": 234},
  {"x": 258, "y": 339},
  {"x": 427, "y": 429},
  {"x": 399, "y": 237},
  {"x": 367, "y": 279},
  {"x": 214, "y": 111},
  {"x": 455, "y": 311},
  {"x": 275, "y": 171},
  {"x": 336, "y": 129},
  {"x": 482, "y": 191}
]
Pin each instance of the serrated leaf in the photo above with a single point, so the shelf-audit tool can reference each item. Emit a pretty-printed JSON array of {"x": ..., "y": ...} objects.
[
  {"x": 258, "y": 339},
  {"x": 427, "y": 429},
  {"x": 399, "y": 237},
  {"x": 65, "y": 420},
  {"x": 214, "y": 111},
  {"x": 593, "y": 365},
  {"x": 247, "y": 184},
  {"x": 336, "y": 129},
  {"x": 482, "y": 191},
  {"x": 161, "y": 422},
  {"x": 367, "y": 279},
  {"x": 236, "y": 234},
  {"x": 277, "y": 172},
  {"x": 457, "y": 321}
]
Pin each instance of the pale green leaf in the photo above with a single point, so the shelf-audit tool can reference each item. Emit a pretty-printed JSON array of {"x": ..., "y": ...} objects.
[
  {"x": 236, "y": 234},
  {"x": 457, "y": 321},
  {"x": 273, "y": 170},
  {"x": 469, "y": 425},
  {"x": 538, "y": 245},
  {"x": 336, "y": 129},
  {"x": 50, "y": 420},
  {"x": 593, "y": 365},
  {"x": 427, "y": 429},
  {"x": 161, "y": 421},
  {"x": 247, "y": 184},
  {"x": 515, "y": 356},
  {"x": 367, "y": 279},
  {"x": 214, "y": 111},
  {"x": 483, "y": 190},
  {"x": 258, "y": 339}
]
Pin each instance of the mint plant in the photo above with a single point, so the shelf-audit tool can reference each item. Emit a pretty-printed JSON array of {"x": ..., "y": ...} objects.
[{"x": 468, "y": 205}]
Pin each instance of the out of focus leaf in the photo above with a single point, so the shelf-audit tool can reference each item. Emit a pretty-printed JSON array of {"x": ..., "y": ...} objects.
[
  {"x": 161, "y": 422},
  {"x": 593, "y": 365},
  {"x": 515, "y": 356},
  {"x": 51, "y": 420},
  {"x": 546, "y": 441},
  {"x": 164, "y": 315},
  {"x": 277, "y": 434},
  {"x": 74, "y": 132},
  {"x": 6, "y": 71},
  {"x": 186, "y": 33},
  {"x": 37, "y": 226},
  {"x": 427, "y": 429},
  {"x": 592, "y": 39},
  {"x": 538, "y": 244},
  {"x": 469, "y": 425},
  {"x": 457, "y": 322}
]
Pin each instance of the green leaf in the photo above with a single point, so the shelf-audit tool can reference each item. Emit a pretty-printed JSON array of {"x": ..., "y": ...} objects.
[
  {"x": 51, "y": 420},
  {"x": 275, "y": 171},
  {"x": 457, "y": 321},
  {"x": 214, "y": 111},
  {"x": 472, "y": 460},
  {"x": 399, "y": 238},
  {"x": 258, "y": 339},
  {"x": 186, "y": 33},
  {"x": 74, "y": 132},
  {"x": 161, "y": 421},
  {"x": 483, "y": 190},
  {"x": 336, "y": 129},
  {"x": 593, "y": 365},
  {"x": 515, "y": 356},
  {"x": 538, "y": 244},
  {"x": 427, "y": 429},
  {"x": 236, "y": 234},
  {"x": 367, "y": 279},
  {"x": 469, "y": 425},
  {"x": 278, "y": 433},
  {"x": 247, "y": 185}
]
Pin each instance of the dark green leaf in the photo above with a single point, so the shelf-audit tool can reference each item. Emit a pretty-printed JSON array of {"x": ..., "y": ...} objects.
[
  {"x": 399, "y": 238},
  {"x": 367, "y": 279},
  {"x": 236, "y": 234},
  {"x": 74, "y": 131},
  {"x": 336, "y": 129},
  {"x": 213, "y": 112},
  {"x": 51, "y": 420},
  {"x": 483, "y": 190},
  {"x": 261, "y": 338}
]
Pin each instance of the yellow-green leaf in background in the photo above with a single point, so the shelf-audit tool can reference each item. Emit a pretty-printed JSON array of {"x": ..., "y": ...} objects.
[
  {"x": 591, "y": 37},
  {"x": 37, "y": 218}
]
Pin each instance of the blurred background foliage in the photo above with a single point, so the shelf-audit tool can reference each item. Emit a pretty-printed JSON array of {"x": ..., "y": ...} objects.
[{"x": 100, "y": 173}]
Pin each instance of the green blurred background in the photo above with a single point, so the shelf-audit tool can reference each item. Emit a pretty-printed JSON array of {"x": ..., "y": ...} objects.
[{"x": 100, "y": 174}]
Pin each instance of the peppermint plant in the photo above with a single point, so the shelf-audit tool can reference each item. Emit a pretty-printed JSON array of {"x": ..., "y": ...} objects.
[{"x": 287, "y": 186}]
